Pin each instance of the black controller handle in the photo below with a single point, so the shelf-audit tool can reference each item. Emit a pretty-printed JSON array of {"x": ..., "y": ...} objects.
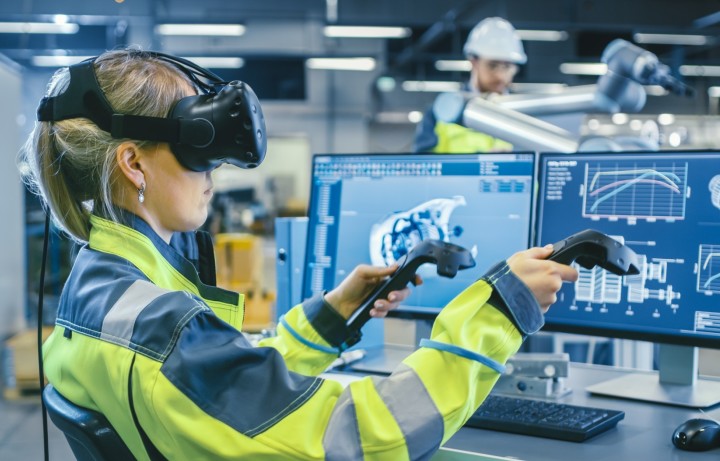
[
  {"x": 448, "y": 257},
  {"x": 590, "y": 248}
]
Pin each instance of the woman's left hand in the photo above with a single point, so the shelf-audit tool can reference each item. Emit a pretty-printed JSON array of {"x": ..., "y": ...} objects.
[{"x": 359, "y": 284}]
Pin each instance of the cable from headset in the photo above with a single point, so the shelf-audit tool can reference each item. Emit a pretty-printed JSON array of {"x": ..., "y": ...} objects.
[{"x": 40, "y": 335}]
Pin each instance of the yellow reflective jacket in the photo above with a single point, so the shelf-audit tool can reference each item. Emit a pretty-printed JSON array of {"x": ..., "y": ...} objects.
[
  {"x": 440, "y": 137},
  {"x": 142, "y": 338}
]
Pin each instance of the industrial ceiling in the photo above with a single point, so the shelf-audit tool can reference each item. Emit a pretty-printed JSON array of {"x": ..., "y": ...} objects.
[{"x": 280, "y": 35}]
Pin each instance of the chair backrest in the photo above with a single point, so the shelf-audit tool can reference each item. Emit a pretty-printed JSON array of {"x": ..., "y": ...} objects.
[{"x": 90, "y": 435}]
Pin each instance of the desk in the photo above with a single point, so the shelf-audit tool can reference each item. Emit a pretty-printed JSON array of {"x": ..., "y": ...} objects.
[{"x": 644, "y": 434}]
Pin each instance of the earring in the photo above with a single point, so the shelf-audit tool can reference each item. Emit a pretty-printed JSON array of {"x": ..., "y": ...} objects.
[{"x": 141, "y": 193}]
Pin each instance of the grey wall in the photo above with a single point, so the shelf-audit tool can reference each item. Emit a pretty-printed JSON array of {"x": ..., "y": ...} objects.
[{"x": 12, "y": 247}]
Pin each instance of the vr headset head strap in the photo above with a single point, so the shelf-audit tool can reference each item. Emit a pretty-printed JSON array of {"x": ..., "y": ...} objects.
[
  {"x": 85, "y": 98},
  {"x": 82, "y": 98}
]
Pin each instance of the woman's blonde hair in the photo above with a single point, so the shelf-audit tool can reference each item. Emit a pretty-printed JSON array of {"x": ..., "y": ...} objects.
[{"x": 71, "y": 163}]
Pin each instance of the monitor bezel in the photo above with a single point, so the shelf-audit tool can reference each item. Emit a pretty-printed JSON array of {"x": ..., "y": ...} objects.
[{"x": 608, "y": 332}]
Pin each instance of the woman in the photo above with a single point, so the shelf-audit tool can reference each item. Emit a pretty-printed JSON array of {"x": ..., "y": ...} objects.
[{"x": 143, "y": 337}]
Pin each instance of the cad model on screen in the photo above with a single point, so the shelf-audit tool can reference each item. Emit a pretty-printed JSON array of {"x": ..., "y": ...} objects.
[
  {"x": 397, "y": 233},
  {"x": 666, "y": 207}
]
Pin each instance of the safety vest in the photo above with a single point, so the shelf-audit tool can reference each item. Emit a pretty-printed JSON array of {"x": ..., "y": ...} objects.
[
  {"x": 450, "y": 138},
  {"x": 142, "y": 338}
]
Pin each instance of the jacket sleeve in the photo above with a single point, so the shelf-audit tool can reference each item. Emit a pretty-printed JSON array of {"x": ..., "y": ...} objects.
[
  {"x": 437, "y": 388},
  {"x": 219, "y": 398},
  {"x": 310, "y": 336}
]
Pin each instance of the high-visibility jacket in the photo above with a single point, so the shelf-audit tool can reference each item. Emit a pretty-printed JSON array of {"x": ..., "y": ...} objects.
[
  {"x": 144, "y": 339},
  {"x": 433, "y": 135}
]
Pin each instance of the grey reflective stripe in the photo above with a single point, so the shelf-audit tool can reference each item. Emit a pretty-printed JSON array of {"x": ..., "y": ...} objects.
[
  {"x": 407, "y": 399},
  {"x": 420, "y": 421},
  {"x": 118, "y": 324},
  {"x": 342, "y": 436}
]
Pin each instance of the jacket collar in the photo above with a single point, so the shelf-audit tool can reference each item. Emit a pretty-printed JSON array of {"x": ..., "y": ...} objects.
[{"x": 167, "y": 265}]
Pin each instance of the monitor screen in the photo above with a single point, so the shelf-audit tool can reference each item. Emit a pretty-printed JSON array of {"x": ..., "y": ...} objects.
[
  {"x": 666, "y": 207},
  {"x": 373, "y": 208}
]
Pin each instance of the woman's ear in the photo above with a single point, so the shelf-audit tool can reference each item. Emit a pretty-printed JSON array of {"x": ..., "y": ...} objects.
[{"x": 129, "y": 158}]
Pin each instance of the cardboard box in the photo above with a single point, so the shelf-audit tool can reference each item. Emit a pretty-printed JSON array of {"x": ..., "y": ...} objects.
[
  {"x": 21, "y": 363},
  {"x": 239, "y": 261}
]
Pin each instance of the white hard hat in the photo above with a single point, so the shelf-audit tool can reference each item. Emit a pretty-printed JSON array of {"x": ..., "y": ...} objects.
[{"x": 495, "y": 38}]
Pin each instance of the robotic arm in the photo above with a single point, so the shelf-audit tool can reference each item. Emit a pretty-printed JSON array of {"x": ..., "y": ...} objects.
[
  {"x": 511, "y": 117},
  {"x": 628, "y": 68},
  {"x": 627, "y": 60},
  {"x": 523, "y": 131}
]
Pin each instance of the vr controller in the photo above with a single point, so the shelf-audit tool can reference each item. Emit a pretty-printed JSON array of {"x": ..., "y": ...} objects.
[
  {"x": 448, "y": 257},
  {"x": 590, "y": 248}
]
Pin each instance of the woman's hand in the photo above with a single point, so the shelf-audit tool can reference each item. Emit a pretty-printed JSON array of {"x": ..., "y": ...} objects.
[
  {"x": 359, "y": 284},
  {"x": 543, "y": 277}
]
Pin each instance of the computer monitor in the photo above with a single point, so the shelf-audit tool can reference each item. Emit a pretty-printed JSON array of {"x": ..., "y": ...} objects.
[
  {"x": 373, "y": 208},
  {"x": 665, "y": 206}
]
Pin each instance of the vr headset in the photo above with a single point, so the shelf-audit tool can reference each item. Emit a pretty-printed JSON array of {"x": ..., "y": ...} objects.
[{"x": 222, "y": 124}]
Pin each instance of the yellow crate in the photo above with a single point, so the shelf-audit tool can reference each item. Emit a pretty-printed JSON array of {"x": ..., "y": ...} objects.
[
  {"x": 239, "y": 262},
  {"x": 259, "y": 312},
  {"x": 21, "y": 364}
]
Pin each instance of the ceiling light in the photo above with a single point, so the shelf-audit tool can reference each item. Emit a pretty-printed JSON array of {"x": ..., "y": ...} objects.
[
  {"x": 620, "y": 118},
  {"x": 361, "y": 64},
  {"x": 543, "y": 35},
  {"x": 700, "y": 71},
  {"x": 56, "y": 61},
  {"x": 385, "y": 83},
  {"x": 37, "y": 28},
  {"x": 655, "y": 90},
  {"x": 671, "y": 39},
  {"x": 202, "y": 61},
  {"x": 453, "y": 65},
  {"x": 543, "y": 88},
  {"x": 666, "y": 119},
  {"x": 415, "y": 116},
  {"x": 223, "y": 30},
  {"x": 217, "y": 62},
  {"x": 674, "y": 139},
  {"x": 428, "y": 86},
  {"x": 366, "y": 32},
  {"x": 583, "y": 68},
  {"x": 399, "y": 117}
]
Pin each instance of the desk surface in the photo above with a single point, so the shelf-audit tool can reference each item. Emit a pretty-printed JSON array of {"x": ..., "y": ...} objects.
[{"x": 644, "y": 434}]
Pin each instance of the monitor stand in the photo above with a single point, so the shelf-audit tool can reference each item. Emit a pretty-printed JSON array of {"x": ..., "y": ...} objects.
[{"x": 676, "y": 383}]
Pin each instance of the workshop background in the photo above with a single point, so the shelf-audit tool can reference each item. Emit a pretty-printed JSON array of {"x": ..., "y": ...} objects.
[{"x": 322, "y": 92}]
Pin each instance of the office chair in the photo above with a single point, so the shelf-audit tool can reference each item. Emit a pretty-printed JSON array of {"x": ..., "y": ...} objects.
[{"x": 90, "y": 435}]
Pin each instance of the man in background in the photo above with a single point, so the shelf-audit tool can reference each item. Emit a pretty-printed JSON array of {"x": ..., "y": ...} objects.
[{"x": 495, "y": 51}]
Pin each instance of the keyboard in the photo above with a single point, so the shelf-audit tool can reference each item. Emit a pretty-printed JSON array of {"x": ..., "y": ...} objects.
[{"x": 542, "y": 418}]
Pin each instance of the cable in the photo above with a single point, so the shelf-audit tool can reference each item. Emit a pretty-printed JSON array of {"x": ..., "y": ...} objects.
[
  {"x": 39, "y": 335},
  {"x": 702, "y": 412}
]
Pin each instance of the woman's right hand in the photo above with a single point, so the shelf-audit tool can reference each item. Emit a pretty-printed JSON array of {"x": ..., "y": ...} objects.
[{"x": 543, "y": 277}]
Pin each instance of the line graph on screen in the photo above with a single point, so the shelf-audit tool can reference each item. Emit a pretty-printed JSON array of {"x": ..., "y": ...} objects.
[{"x": 635, "y": 191}]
